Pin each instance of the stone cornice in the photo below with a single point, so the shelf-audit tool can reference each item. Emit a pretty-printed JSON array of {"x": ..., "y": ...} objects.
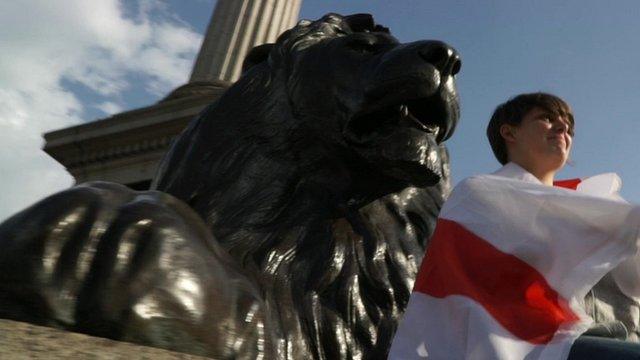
[
  {"x": 131, "y": 133},
  {"x": 117, "y": 152},
  {"x": 166, "y": 110},
  {"x": 197, "y": 89}
]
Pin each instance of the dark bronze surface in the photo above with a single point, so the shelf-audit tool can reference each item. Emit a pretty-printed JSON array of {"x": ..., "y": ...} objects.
[
  {"x": 318, "y": 175},
  {"x": 340, "y": 182},
  {"x": 600, "y": 348},
  {"x": 135, "y": 266}
]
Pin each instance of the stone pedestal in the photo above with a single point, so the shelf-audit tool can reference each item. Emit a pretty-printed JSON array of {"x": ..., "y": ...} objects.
[{"x": 25, "y": 341}]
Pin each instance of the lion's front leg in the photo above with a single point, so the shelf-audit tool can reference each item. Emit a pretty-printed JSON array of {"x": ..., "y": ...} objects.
[{"x": 135, "y": 266}]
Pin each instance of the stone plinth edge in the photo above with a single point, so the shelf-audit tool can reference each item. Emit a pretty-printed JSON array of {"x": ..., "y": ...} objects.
[{"x": 20, "y": 340}]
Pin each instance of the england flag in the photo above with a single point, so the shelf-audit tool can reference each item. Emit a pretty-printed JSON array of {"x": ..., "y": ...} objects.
[{"x": 509, "y": 264}]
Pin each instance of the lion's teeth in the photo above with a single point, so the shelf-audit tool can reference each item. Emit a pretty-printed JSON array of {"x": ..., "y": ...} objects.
[
  {"x": 417, "y": 123},
  {"x": 405, "y": 110}
]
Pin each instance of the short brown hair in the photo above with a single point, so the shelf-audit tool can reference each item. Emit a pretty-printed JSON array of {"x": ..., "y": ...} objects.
[{"x": 512, "y": 112}]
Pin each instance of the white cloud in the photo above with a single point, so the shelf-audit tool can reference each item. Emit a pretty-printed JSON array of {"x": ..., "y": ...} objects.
[
  {"x": 109, "y": 107},
  {"x": 90, "y": 42}
]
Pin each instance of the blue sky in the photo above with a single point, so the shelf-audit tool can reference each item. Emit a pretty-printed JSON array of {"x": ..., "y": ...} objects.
[{"x": 136, "y": 51}]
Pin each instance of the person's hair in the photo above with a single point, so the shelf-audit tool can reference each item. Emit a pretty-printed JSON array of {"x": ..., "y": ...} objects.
[{"x": 513, "y": 111}]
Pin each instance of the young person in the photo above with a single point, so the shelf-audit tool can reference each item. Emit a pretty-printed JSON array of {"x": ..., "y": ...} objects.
[
  {"x": 533, "y": 132},
  {"x": 513, "y": 257}
]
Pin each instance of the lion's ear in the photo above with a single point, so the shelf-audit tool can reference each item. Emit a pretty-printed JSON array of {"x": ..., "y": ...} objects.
[{"x": 256, "y": 55}]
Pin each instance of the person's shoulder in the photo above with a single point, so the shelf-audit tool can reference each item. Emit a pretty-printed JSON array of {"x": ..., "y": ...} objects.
[
  {"x": 469, "y": 188},
  {"x": 477, "y": 180}
]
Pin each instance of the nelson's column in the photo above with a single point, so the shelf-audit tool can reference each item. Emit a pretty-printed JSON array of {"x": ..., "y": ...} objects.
[{"x": 127, "y": 147}]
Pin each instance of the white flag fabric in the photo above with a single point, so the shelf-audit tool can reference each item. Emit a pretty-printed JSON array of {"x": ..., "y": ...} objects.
[{"x": 509, "y": 264}]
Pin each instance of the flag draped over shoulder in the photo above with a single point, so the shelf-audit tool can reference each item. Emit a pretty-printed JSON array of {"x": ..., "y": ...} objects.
[{"x": 509, "y": 264}]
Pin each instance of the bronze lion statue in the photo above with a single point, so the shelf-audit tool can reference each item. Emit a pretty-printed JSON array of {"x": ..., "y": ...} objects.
[{"x": 287, "y": 221}]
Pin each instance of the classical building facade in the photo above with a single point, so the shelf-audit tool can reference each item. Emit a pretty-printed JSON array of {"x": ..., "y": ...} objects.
[{"x": 127, "y": 147}]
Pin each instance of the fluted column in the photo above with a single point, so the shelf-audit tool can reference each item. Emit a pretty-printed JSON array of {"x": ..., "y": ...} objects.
[{"x": 235, "y": 28}]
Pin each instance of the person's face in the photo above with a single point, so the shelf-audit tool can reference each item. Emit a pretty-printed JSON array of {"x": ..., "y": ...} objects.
[{"x": 542, "y": 139}]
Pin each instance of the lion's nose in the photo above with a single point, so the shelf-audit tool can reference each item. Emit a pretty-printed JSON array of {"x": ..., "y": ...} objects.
[{"x": 442, "y": 56}]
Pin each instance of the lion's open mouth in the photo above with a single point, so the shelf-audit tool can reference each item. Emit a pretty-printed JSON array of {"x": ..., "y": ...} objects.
[{"x": 427, "y": 115}]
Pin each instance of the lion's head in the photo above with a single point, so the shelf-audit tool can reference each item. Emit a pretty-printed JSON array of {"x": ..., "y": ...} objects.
[
  {"x": 382, "y": 104},
  {"x": 339, "y": 90},
  {"x": 322, "y": 171}
]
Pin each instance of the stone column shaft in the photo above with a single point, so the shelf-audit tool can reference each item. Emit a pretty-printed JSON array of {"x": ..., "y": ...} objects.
[{"x": 235, "y": 28}]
